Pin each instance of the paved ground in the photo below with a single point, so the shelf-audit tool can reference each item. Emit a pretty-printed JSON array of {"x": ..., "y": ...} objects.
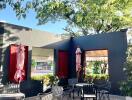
[{"x": 50, "y": 97}]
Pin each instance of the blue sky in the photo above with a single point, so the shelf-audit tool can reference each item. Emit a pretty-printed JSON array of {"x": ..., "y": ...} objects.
[{"x": 9, "y": 16}]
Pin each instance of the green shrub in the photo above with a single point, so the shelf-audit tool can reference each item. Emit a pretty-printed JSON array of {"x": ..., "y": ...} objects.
[
  {"x": 37, "y": 77},
  {"x": 90, "y": 78},
  {"x": 33, "y": 63},
  {"x": 47, "y": 79},
  {"x": 126, "y": 88},
  {"x": 96, "y": 68}
]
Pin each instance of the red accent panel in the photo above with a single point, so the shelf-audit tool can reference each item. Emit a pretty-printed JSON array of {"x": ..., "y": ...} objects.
[
  {"x": 13, "y": 62},
  {"x": 63, "y": 64}
]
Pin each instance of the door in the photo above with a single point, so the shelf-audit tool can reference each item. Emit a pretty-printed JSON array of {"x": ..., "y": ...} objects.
[{"x": 63, "y": 63}]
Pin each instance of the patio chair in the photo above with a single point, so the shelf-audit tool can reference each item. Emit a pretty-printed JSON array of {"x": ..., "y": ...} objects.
[
  {"x": 57, "y": 92},
  {"x": 89, "y": 91},
  {"x": 104, "y": 90},
  {"x": 72, "y": 84},
  {"x": 70, "y": 88}
]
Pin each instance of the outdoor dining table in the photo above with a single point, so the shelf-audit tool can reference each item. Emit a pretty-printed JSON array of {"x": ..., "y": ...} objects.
[
  {"x": 80, "y": 85},
  {"x": 12, "y": 96}
]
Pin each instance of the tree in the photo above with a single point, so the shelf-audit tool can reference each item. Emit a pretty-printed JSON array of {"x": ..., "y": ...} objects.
[
  {"x": 128, "y": 64},
  {"x": 83, "y": 16},
  {"x": 19, "y": 6},
  {"x": 126, "y": 86}
]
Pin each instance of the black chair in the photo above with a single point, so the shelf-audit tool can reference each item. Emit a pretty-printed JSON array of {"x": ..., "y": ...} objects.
[
  {"x": 72, "y": 83},
  {"x": 89, "y": 91},
  {"x": 104, "y": 90},
  {"x": 71, "y": 87}
]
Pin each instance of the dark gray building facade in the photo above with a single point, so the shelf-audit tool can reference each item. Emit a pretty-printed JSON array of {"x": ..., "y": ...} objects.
[{"x": 114, "y": 42}]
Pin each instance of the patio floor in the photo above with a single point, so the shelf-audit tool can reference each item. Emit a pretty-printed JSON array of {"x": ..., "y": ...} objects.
[{"x": 50, "y": 97}]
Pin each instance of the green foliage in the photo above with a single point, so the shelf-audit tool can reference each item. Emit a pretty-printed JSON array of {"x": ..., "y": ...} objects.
[
  {"x": 126, "y": 86},
  {"x": 19, "y": 6},
  {"x": 53, "y": 80},
  {"x": 128, "y": 64},
  {"x": 48, "y": 79},
  {"x": 96, "y": 68},
  {"x": 37, "y": 77},
  {"x": 83, "y": 16},
  {"x": 33, "y": 63},
  {"x": 94, "y": 77}
]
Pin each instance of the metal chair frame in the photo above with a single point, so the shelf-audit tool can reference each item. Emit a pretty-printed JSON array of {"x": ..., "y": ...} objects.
[
  {"x": 104, "y": 90},
  {"x": 89, "y": 91}
]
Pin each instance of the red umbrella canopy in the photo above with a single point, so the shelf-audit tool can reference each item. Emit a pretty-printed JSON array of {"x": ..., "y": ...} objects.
[
  {"x": 20, "y": 64},
  {"x": 78, "y": 59}
]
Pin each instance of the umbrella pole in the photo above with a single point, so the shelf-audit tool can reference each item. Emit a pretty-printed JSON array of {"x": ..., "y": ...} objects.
[
  {"x": 78, "y": 75},
  {"x": 19, "y": 86}
]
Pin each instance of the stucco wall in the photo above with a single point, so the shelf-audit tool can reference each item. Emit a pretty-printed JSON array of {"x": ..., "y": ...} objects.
[
  {"x": 28, "y": 36},
  {"x": 14, "y": 34}
]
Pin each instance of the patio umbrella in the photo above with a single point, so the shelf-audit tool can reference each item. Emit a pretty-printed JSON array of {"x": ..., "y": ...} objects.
[
  {"x": 20, "y": 72},
  {"x": 78, "y": 60}
]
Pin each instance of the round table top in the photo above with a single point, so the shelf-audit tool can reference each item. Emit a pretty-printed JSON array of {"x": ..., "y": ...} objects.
[{"x": 82, "y": 84}]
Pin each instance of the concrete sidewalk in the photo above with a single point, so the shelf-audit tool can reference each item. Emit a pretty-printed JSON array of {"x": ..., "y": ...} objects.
[{"x": 50, "y": 97}]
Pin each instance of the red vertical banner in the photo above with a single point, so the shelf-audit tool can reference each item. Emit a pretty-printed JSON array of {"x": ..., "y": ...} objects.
[
  {"x": 63, "y": 63},
  {"x": 13, "y": 62}
]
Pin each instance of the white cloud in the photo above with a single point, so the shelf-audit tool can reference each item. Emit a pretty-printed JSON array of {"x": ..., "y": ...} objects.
[{"x": 2, "y": 21}]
